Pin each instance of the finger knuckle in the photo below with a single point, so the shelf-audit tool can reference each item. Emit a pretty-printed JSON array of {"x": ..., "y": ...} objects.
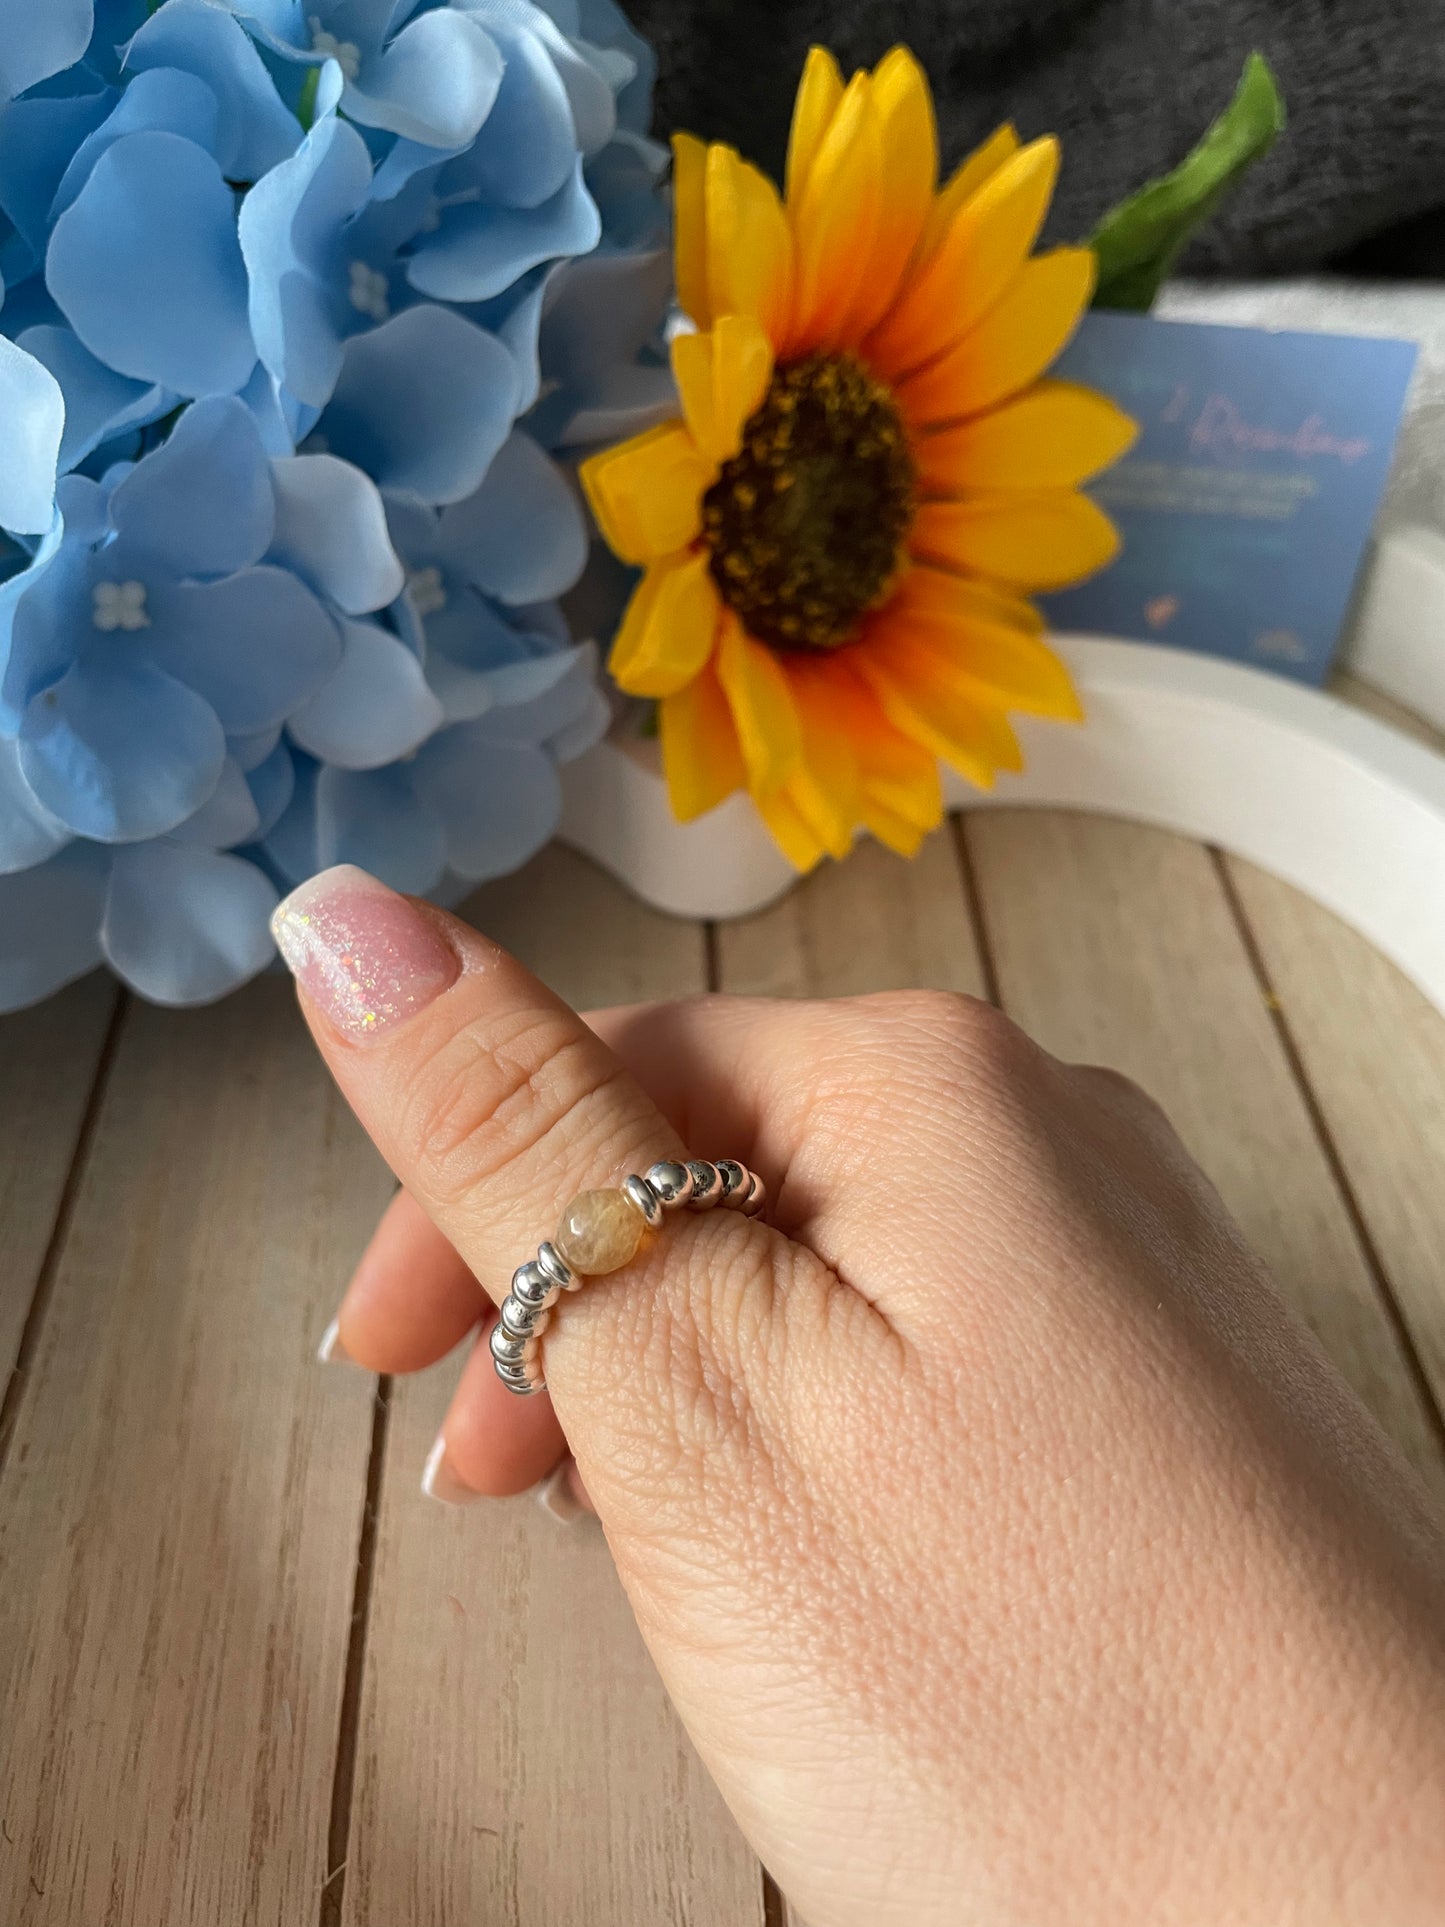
[
  {"x": 1116, "y": 1083},
  {"x": 485, "y": 1100},
  {"x": 955, "y": 1028},
  {"x": 1120, "y": 1091}
]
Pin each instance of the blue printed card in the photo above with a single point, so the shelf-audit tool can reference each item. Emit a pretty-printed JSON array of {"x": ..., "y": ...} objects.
[{"x": 1246, "y": 503}]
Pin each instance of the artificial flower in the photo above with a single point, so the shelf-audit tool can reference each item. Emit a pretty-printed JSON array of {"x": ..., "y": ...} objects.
[
  {"x": 198, "y": 712},
  {"x": 870, "y": 474},
  {"x": 428, "y": 75},
  {"x": 279, "y": 567}
]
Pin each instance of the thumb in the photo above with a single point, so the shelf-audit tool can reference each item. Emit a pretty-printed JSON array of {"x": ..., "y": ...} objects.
[{"x": 495, "y": 1106}]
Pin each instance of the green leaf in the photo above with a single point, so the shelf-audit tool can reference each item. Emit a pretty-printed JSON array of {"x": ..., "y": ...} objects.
[{"x": 1139, "y": 241}]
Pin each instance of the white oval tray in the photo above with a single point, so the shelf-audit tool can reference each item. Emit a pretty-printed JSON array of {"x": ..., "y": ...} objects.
[{"x": 1333, "y": 801}]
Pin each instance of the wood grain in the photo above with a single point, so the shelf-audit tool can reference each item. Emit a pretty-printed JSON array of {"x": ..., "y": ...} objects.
[
  {"x": 48, "y": 1061},
  {"x": 586, "y": 936},
  {"x": 875, "y": 922},
  {"x": 1115, "y": 944},
  {"x": 1373, "y": 1051},
  {"x": 179, "y": 1515},
  {"x": 518, "y": 1761}
]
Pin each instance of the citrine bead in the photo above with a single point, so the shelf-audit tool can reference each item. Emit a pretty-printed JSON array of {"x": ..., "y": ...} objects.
[{"x": 600, "y": 1232}]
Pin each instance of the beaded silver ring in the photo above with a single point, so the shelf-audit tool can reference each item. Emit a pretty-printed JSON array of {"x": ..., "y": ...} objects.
[{"x": 601, "y": 1232}]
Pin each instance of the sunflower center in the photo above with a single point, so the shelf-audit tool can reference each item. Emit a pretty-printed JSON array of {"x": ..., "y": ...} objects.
[{"x": 806, "y": 522}]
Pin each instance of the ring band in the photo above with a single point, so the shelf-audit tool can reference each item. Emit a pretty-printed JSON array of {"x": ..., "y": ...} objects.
[{"x": 600, "y": 1232}]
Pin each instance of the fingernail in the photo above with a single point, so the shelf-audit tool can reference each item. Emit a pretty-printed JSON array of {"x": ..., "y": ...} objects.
[
  {"x": 366, "y": 956},
  {"x": 439, "y": 1482},
  {"x": 554, "y": 1496},
  {"x": 331, "y": 1351}
]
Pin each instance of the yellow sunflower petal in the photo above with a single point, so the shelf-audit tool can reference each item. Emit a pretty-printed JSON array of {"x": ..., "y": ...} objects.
[
  {"x": 824, "y": 816},
  {"x": 965, "y": 182},
  {"x": 995, "y": 661},
  {"x": 749, "y": 243},
  {"x": 901, "y": 781},
  {"x": 789, "y": 830},
  {"x": 824, "y": 788},
  {"x": 819, "y": 94},
  {"x": 689, "y": 221},
  {"x": 700, "y": 755},
  {"x": 894, "y": 832},
  {"x": 721, "y": 378},
  {"x": 912, "y": 792},
  {"x": 923, "y": 696},
  {"x": 835, "y": 223},
  {"x": 761, "y": 700},
  {"x": 647, "y": 493},
  {"x": 1011, "y": 347},
  {"x": 985, "y": 245},
  {"x": 909, "y": 137},
  {"x": 1021, "y": 673},
  {"x": 1055, "y": 435},
  {"x": 940, "y": 598},
  {"x": 1033, "y": 541},
  {"x": 668, "y": 632}
]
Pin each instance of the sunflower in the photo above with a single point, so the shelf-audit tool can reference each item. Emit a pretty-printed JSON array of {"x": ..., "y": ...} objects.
[{"x": 869, "y": 476}]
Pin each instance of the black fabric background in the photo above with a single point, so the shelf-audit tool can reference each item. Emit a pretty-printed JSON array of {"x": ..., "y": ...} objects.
[{"x": 1129, "y": 85}]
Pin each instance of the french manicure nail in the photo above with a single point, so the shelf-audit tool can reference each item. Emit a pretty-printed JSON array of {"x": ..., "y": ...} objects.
[
  {"x": 439, "y": 1482},
  {"x": 331, "y": 1351},
  {"x": 366, "y": 956},
  {"x": 554, "y": 1496}
]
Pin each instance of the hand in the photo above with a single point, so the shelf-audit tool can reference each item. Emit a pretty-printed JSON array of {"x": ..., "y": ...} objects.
[{"x": 1009, "y": 1551}]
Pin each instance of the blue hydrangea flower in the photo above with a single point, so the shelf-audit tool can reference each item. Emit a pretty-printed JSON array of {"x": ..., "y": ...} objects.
[
  {"x": 39, "y": 41},
  {"x": 142, "y": 637},
  {"x": 279, "y": 569},
  {"x": 427, "y": 73}
]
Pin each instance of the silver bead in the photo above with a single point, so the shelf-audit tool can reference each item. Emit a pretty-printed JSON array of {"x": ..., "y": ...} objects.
[
  {"x": 641, "y": 1194},
  {"x": 669, "y": 1182},
  {"x": 522, "y": 1321},
  {"x": 553, "y": 1265},
  {"x": 735, "y": 1181},
  {"x": 508, "y": 1348},
  {"x": 517, "y": 1381},
  {"x": 532, "y": 1286},
  {"x": 707, "y": 1185},
  {"x": 519, "y": 1319},
  {"x": 757, "y": 1197}
]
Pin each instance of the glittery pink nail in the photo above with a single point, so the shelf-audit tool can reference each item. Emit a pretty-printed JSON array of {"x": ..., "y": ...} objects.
[{"x": 365, "y": 955}]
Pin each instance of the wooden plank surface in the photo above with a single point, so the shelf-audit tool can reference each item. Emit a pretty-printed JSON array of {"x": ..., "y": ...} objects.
[
  {"x": 1115, "y": 944},
  {"x": 518, "y": 1761},
  {"x": 1372, "y": 1052},
  {"x": 875, "y": 922},
  {"x": 180, "y": 1509},
  {"x": 48, "y": 1062}
]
